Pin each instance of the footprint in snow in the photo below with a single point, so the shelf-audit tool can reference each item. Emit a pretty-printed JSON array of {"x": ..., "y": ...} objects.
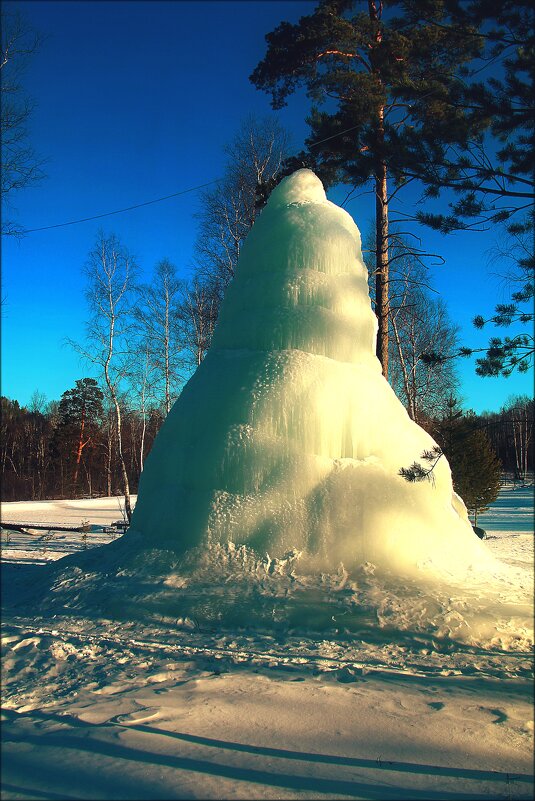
[
  {"x": 501, "y": 717},
  {"x": 134, "y": 718}
]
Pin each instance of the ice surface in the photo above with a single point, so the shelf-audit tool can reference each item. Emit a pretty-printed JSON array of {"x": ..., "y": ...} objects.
[{"x": 288, "y": 438}]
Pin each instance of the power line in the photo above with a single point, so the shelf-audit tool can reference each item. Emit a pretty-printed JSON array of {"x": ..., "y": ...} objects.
[
  {"x": 159, "y": 199},
  {"x": 340, "y": 133},
  {"x": 120, "y": 211}
]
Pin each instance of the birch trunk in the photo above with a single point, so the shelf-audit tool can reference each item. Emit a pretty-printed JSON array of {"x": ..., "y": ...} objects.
[{"x": 406, "y": 384}]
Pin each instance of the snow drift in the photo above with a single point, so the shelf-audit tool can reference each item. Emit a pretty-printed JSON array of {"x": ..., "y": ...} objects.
[{"x": 288, "y": 438}]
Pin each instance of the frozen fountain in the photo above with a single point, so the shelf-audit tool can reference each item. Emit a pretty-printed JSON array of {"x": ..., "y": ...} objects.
[
  {"x": 288, "y": 438},
  {"x": 271, "y": 500}
]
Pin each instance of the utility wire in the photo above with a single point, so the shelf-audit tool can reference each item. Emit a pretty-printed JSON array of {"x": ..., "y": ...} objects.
[
  {"x": 120, "y": 211},
  {"x": 159, "y": 199},
  {"x": 340, "y": 133}
]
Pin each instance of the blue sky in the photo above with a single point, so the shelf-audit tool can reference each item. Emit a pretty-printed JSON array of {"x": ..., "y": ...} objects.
[{"x": 135, "y": 101}]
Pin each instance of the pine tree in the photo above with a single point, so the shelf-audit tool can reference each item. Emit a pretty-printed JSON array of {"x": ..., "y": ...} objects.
[
  {"x": 510, "y": 353},
  {"x": 492, "y": 178},
  {"x": 80, "y": 412},
  {"x": 393, "y": 83},
  {"x": 516, "y": 352},
  {"x": 475, "y": 468},
  {"x": 479, "y": 480}
]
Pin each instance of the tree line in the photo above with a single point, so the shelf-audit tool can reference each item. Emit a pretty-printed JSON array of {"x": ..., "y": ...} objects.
[{"x": 68, "y": 448}]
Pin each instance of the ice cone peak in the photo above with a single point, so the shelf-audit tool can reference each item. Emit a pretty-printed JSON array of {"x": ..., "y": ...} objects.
[
  {"x": 300, "y": 284},
  {"x": 302, "y": 186}
]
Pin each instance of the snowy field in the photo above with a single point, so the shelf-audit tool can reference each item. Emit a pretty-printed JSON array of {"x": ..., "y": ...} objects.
[
  {"x": 38, "y": 547},
  {"x": 107, "y": 708}
]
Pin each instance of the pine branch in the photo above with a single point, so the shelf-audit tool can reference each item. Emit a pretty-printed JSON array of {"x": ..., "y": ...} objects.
[{"x": 417, "y": 472}]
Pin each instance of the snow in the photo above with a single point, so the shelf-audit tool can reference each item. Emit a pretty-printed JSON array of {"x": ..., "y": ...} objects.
[
  {"x": 107, "y": 708},
  {"x": 64, "y": 512},
  {"x": 96, "y": 515}
]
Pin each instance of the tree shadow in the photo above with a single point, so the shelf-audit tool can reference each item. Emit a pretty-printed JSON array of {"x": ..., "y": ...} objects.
[{"x": 271, "y": 778}]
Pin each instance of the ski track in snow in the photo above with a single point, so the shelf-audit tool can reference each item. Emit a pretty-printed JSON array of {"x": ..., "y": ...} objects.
[{"x": 95, "y": 708}]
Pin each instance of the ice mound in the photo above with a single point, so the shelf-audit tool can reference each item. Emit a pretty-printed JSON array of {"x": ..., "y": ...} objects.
[{"x": 288, "y": 438}]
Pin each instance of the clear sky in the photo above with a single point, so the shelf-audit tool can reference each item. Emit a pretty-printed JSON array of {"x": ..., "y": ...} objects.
[{"x": 135, "y": 101}]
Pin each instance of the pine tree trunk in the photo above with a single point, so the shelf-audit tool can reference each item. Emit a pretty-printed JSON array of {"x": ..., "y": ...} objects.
[
  {"x": 79, "y": 450},
  {"x": 88, "y": 479},
  {"x": 382, "y": 305}
]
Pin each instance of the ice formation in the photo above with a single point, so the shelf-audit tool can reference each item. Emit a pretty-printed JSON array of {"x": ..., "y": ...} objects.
[{"x": 287, "y": 437}]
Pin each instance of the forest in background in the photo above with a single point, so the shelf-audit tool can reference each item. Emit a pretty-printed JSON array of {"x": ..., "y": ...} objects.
[{"x": 68, "y": 449}]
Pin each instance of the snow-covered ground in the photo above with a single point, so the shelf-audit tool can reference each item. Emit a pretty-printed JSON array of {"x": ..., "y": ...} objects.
[
  {"x": 117, "y": 707},
  {"x": 37, "y": 547}
]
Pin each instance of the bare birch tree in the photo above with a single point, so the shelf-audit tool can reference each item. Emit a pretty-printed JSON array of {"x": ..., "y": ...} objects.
[
  {"x": 158, "y": 318},
  {"x": 110, "y": 271},
  {"x": 20, "y": 165},
  {"x": 143, "y": 381},
  {"x": 200, "y": 306},
  {"x": 254, "y": 158},
  {"x": 418, "y": 321}
]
